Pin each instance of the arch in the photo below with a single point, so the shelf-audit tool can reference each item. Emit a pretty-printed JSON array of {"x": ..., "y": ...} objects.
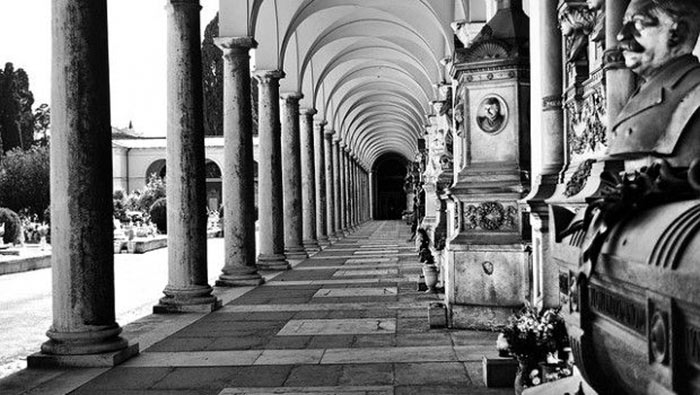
[{"x": 156, "y": 167}]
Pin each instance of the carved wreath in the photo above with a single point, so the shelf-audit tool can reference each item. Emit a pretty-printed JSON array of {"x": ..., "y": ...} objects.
[
  {"x": 490, "y": 216},
  {"x": 471, "y": 217}
]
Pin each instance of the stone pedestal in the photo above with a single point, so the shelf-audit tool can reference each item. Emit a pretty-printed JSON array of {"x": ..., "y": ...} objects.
[
  {"x": 308, "y": 181},
  {"x": 187, "y": 288},
  {"x": 238, "y": 177},
  {"x": 320, "y": 169},
  {"x": 291, "y": 178},
  {"x": 488, "y": 274},
  {"x": 84, "y": 327},
  {"x": 270, "y": 202}
]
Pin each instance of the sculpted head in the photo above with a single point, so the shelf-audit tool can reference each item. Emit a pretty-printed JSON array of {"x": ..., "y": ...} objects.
[
  {"x": 492, "y": 108},
  {"x": 655, "y": 32}
]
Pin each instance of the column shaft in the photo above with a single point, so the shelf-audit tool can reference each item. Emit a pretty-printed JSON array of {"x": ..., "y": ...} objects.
[
  {"x": 319, "y": 152},
  {"x": 238, "y": 175},
  {"x": 308, "y": 181},
  {"x": 620, "y": 80},
  {"x": 371, "y": 194},
  {"x": 336, "y": 188},
  {"x": 270, "y": 201},
  {"x": 330, "y": 188},
  {"x": 343, "y": 188},
  {"x": 187, "y": 288},
  {"x": 82, "y": 259},
  {"x": 291, "y": 178}
]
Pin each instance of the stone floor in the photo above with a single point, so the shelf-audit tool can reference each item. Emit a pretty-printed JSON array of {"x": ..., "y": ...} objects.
[{"x": 347, "y": 321}]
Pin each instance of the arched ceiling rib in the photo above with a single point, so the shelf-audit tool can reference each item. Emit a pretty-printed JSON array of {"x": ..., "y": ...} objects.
[{"x": 370, "y": 67}]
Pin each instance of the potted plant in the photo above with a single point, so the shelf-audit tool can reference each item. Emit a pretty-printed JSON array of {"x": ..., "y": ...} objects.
[
  {"x": 430, "y": 272},
  {"x": 534, "y": 337}
]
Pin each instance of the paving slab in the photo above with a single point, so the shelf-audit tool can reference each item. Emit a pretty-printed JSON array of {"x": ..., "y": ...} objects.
[{"x": 338, "y": 327}]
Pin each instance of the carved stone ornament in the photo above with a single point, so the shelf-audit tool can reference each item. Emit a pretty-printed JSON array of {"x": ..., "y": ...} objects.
[
  {"x": 613, "y": 59},
  {"x": 576, "y": 21},
  {"x": 459, "y": 113},
  {"x": 587, "y": 120},
  {"x": 490, "y": 216},
  {"x": 486, "y": 50},
  {"x": 579, "y": 178}
]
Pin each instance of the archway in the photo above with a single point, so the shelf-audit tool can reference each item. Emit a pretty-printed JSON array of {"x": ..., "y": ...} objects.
[
  {"x": 213, "y": 174},
  {"x": 157, "y": 168},
  {"x": 390, "y": 170}
]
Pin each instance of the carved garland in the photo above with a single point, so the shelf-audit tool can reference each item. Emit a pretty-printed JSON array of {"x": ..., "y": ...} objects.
[
  {"x": 490, "y": 216},
  {"x": 579, "y": 178}
]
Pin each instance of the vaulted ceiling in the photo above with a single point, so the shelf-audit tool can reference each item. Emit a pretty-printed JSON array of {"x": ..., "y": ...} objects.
[{"x": 370, "y": 67}]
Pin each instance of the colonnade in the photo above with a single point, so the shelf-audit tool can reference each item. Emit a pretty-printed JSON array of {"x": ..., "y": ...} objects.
[{"x": 313, "y": 189}]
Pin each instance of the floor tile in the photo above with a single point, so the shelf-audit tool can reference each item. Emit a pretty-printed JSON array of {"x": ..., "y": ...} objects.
[
  {"x": 343, "y": 292},
  {"x": 338, "y": 327}
]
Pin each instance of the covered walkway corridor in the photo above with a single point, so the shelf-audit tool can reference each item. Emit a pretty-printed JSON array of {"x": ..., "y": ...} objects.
[{"x": 347, "y": 321}]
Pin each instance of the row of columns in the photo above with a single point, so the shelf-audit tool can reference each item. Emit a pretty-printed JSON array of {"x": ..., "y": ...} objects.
[{"x": 309, "y": 187}]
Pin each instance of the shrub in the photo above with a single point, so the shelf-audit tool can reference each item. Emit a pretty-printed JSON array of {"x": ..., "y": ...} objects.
[
  {"x": 13, "y": 225},
  {"x": 24, "y": 179},
  {"x": 154, "y": 190},
  {"x": 158, "y": 215}
]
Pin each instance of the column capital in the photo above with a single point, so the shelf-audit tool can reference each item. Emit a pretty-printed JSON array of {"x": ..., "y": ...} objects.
[
  {"x": 307, "y": 111},
  {"x": 329, "y": 134},
  {"x": 347, "y": 149},
  {"x": 321, "y": 123},
  {"x": 291, "y": 96},
  {"x": 235, "y": 43},
  {"x": 337, "y": 139},
  {"x": 268, "y": 76}
]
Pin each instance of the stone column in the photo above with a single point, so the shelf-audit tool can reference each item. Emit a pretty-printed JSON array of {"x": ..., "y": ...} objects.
[
  {"x": 343, "y": 188},
  {"x": 308, "y": 182},
  {"x": 372, "y": 180},
  {"x": 321, "y": 229},
  {"x": 551, "y": 158},
  {"x": 349, "y": 188},
  {"x": 270, "y": 203},
  {"x": 336, "y": 188},
  {"x": 238, "y": 175},
  {"x": 187, "y": 288},
  {"x": 620, "y": 80},
  {"x": 291, "y": 177},
  {"x": 330, "y": 188},
  {"x": 82, "y": 260},
  {"x": 353, "y": 186}
]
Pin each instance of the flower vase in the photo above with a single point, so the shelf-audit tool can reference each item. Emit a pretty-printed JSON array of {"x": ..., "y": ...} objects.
[{"x": 430, "y": 276}]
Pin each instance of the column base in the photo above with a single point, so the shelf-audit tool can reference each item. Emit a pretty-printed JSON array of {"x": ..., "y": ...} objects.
[
  {"x": 311, "y": 246},
  {"x": 273, "y": 262},
  {"x": 323, "y": 242},
  {"x": 195, "y": 300},
  {"x": 104, "y": 360},
  {"x": 296, "y": 253},
  {"x": 234, "y": 278},
  {"x": 93, "y": 339}
]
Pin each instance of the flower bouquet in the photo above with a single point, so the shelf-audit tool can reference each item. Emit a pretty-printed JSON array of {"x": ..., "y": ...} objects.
[{"x": 534, "y": 337}]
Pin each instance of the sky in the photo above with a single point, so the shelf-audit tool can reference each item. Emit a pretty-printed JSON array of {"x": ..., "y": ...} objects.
[{"x": 137, "y": 49}]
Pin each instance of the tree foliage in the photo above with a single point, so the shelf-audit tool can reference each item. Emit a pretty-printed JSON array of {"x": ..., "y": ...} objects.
[
  {"x": 24, "y": 180},
  {"x": 212, "y": 81},
  {"x": 16, "y": 117},
  {"x": 213, "y": 84}
]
